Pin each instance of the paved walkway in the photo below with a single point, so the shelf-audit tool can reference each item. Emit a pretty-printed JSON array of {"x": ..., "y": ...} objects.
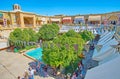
[
  {"x": 3, "y": 44},
  {"x": 87, "y": 61},
  {"x": 13, "y": 65}
]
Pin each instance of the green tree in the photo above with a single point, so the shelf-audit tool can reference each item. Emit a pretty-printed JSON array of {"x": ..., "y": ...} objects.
[
  {"x": 65, "y": 49},
  {"x": 71, "y": 33},
  {"x": 25, "y": 35},
  {"x": 18, "y": 37},
  {"x": 62, "y": 52},
  {"x": 48, "y": 31},
  {"x": 31, "y": 35},
  {"x": 87, "y": 35},
  {"x": 15, "y": 35}
]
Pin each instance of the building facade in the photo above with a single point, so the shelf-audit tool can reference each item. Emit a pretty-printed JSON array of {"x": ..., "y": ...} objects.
[{"x": 20, "y": 19}]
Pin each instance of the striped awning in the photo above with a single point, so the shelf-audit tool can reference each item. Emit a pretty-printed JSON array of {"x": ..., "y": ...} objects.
[
  {"x": 94, "y": 18},
  {"x": 113, "y": 18},
  {"x": 55, "y": 19},
  {"x": 79, "y": 19},
  {"x": 67, "y": 18},
  {"x": 109, "y": 70}
]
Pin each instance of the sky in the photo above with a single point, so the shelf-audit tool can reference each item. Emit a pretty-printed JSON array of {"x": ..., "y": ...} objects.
[{"x": 66, "y": 7}]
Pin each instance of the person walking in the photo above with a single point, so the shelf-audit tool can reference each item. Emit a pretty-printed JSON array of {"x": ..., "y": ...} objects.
[
  {"x": 74, "y": 76},
  {"x": 26, "y": 75},
  {"x": 31, "y": 73}
]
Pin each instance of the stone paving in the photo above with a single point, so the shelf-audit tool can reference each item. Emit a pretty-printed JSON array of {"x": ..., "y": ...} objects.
[
  {"x": 13, "y": 65},
  {"x": 3, "y": 44}
]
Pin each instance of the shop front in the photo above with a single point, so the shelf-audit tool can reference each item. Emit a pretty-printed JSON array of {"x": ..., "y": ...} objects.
[
  {"x": 38, "y": 21},
  {"x": 28, "y": 21},
  {"x": 44, "y": 20},
  {"x": 67, "y": 20},
  {"x": 4, "y": 20},
  {"x": 55, "y": 20},
  {"x": 113, "y": 19},
  {"x": 79, "y": 20},
  {"x": 94, "y": 20},
  {"x": 104, "y": 20}
]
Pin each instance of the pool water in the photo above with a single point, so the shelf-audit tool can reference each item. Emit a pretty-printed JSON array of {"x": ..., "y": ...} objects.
[{"x": 36, "y": 54}]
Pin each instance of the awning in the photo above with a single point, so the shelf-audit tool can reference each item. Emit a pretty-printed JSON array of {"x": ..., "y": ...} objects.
[
  {"x": 79, "y": 20},
  {"x": 67, "y": 18},
  {"x": 94, "y": 18},
  {"x": 113, "y": 18},
  {"x": 106, "y": 50},
  {"x": 109, "y": 70},
  {"x": 55, "y": 19}
]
